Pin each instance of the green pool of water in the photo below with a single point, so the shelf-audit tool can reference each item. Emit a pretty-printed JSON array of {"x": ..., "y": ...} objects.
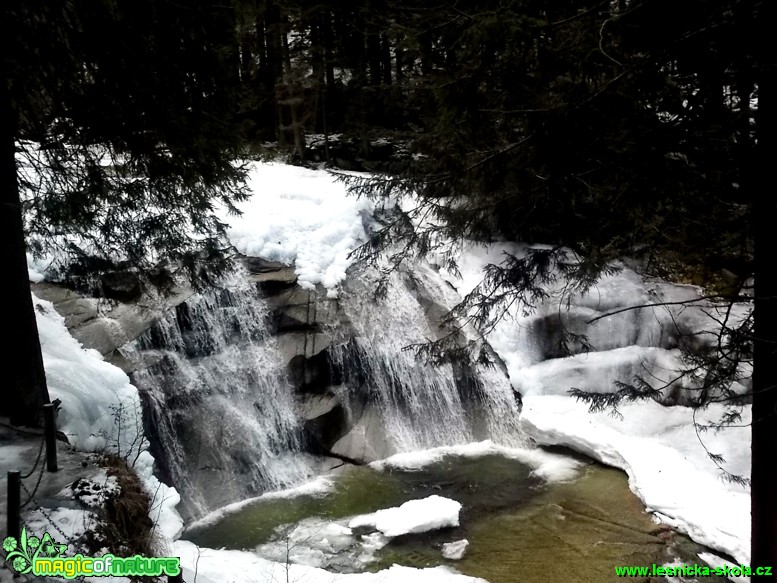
[
  {"x": 483, "y": 485},
  {"x": 520, "y": 528}
]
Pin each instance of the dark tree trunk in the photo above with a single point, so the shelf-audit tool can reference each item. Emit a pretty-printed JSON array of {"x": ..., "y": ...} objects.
[
  {"x": 356, "y": 49},
  {"x": 24, "y": 379},
  {"x": 385, "y": 54},
  {"x": 261, "y": 45},
  {"x": 274, "y": 64},
  {"x": 272, "y": 27},
  {"x": 326, "y": 35},
  {"x": 425, "y": 42},
  {"x": 286, "y": 49},
  {"x": 399, "y": 52},
  {"x": 246, "y": 67},
  {"x": 374, "y": 56},
  {"x": 764, "y": 469},
  {"x": 317, "y": 48}
]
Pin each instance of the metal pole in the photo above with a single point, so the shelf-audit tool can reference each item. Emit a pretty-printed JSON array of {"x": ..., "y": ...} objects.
[
  {"x": 50, "y": 419},
  {"x": 14, "y": 503}
]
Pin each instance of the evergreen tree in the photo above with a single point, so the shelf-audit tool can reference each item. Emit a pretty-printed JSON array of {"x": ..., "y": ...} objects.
[
  {"x": 120, "y": 140},
  {"x": 611, "y": 129}
]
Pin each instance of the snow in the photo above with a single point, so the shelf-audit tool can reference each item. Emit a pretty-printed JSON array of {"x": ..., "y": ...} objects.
[
  {"x": 36, "y": 268},
  {"x": 218, "y": 566},
  {"x": 63, "y": 524},
  {"x": 94, "y": 491},
  {"x": 100, "y": 409},
  {"x": 93, "y": 392},
  {"x": 549, "y": 466},
  {"x": 301, "y": 217},
  {"x": 414, "y": 516},
  {"x": 714, "y": 562},
  {"x": 318, "y": 486},
  {"x": 668, "y": 467},
  {"x": 164, "y": 499}
]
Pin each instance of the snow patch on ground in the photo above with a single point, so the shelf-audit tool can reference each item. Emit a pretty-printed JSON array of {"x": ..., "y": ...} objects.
[
  {"x": 94, "y": 491},
  {"x": 63, "y": 524}
]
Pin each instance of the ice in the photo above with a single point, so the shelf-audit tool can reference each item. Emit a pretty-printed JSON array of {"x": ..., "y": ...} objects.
[
  {"x": 217, "y": 566},
  {"x": 597, "y": 371},
  {"x": 164, "y": 499},
  {"x": 91, "y": 390},
  {"x": 316, "y": 487},
  {"x": 548, "y": 466},
  {"x": 455, "y": 550},
  {"x": 313, "y": 542},
  {"x": 414, "y": 516}
]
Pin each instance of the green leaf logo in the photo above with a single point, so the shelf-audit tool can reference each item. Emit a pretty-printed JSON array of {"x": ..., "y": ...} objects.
[{"x": 18, "y": 552}]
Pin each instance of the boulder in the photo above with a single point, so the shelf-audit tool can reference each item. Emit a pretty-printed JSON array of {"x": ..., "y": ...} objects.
[
  {"x": 325, "y": 422},
  {"x": 366, "y": 441}
]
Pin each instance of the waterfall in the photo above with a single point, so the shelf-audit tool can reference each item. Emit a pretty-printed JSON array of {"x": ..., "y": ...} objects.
[
  {"x": 418, "y": 405},
  {"x": 217, "y": 400}
]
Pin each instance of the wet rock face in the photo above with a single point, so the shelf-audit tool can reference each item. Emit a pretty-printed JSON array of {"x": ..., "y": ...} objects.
[
  {"x": 106, "y": 325},
  {"x": 304, "y": 323}
]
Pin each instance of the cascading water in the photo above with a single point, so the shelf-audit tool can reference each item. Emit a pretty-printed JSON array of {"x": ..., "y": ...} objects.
[
  {"x": 418, "y": 405},
  {"x": 217, "y": 400}
]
